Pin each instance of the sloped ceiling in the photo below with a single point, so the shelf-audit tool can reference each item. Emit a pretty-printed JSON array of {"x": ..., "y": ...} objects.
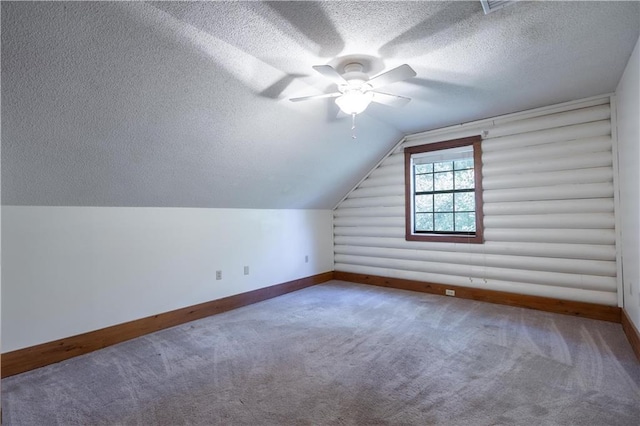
[{"x": 185, "y": 104}]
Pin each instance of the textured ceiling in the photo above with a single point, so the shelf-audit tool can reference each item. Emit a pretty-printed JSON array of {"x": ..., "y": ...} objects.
[{"x": 185, "y": 104}]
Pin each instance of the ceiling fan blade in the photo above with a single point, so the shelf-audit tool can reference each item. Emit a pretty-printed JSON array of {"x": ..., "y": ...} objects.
[
  {"x": 306, "y": 98},
  {"x": 400, "y": 73},
  {"x": 390, "y": 100},
  {"x": 330, "y": 72}
]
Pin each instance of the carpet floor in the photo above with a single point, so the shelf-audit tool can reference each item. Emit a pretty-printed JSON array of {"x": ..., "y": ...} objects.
[{"x": 346, "y": 354}]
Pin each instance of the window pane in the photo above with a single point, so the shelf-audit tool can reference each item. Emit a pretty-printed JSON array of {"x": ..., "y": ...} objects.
[
  {"x": 443, "y": 222},
  {"x": 424, "y": 222},
  {"x": 443, "y": 167},
  {"x": 443, "y": 181},
  {"x": 467, "y": 163},
  {"x": 424, "y": 203},
  {"x": 443, "y": 202},
  {"x": 424, "y": 168},
  {"x": 465, "y": 221},
  {"x": 465, "y": 201},
  {"x": 464, "y": 179},
  {"x": 424, "y": 183}
]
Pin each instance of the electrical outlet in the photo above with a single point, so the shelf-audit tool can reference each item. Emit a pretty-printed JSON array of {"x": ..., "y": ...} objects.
[
  {"x": 246, "y": 270},
  {"x": 306, "y": 259},
  {"x": 218, "y": 275},
  {"x": 450, "y": 292}
]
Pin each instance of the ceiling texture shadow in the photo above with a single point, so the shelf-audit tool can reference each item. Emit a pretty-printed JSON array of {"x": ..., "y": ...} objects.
[
  {"x": 255, "y": 73},
  {"x": 443, "y": 89},
  {"x": 310, "y": 19},
  {"x": 275, "y": 90},
  {"x": 449, "y": 15}
]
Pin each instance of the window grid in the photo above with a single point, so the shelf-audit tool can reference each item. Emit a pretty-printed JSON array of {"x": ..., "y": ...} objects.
[{"x": 451, "y": 168}]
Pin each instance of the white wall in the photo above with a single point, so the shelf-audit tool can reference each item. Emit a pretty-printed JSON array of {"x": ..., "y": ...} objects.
[
  {"x": 548, "y": 210},
  {"x": 69, "y": 270},
  {"x": 628, "y": 118}
]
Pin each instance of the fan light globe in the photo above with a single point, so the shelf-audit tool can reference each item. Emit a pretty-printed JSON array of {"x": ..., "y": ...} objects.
[{"x": 354, "y": 101}]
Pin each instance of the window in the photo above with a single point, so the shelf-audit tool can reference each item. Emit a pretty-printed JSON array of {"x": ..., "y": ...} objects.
[{"x": 443, "y": 190}]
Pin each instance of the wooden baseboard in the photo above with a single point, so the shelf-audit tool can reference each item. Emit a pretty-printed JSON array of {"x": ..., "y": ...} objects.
[
  {"x": 633, "y": 335},
  {"x": 581, "y": 309},
  {"x": 26, "y": 359}
]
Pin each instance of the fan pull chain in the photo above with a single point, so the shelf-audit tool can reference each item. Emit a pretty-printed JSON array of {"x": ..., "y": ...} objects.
[{"x": 353, "y": 126}]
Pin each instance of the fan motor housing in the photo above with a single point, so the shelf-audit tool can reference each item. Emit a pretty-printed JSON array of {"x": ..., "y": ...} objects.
[{"x": 353, "y": 73}]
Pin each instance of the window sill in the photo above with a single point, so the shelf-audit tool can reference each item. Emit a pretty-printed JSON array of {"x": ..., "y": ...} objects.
[{"x": 446, "y": 238}]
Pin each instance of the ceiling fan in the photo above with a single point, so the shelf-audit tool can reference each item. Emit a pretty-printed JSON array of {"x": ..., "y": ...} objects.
[{"x": 356, "y": 90}]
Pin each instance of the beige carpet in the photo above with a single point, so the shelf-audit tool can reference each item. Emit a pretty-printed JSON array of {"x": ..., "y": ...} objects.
[{"x": 347, "y": 354}]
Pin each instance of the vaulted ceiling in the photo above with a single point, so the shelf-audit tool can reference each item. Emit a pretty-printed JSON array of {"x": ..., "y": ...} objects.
[{"x": 185, "y": 104}]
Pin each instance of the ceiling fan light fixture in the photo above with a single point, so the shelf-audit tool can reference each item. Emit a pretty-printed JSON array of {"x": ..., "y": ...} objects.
[
  {"x": 354, "y": 101},
  {"x": 356, "y": 90}
]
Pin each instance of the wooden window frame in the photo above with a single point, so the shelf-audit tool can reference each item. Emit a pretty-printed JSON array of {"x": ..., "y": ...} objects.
[{"x": 475, "y": 142}]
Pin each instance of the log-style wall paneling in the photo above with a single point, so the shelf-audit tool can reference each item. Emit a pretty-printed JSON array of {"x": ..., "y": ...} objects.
[
  {"x": 566, "y": 280},
  {"x": 563, "y": 251},
  {"x": 550, "y": 150},
  {"x": 591, "y": 205},
  {"x": 591, "y": 111},
  {"x": 543, "y": 264},
  {"x": 549, "y": 223},
  {"x": 552, "y": 291},
  {"x": 581, "y": 309},
  {"x": 26, "y": 359},
  {"x": 593, "y": 175}
]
